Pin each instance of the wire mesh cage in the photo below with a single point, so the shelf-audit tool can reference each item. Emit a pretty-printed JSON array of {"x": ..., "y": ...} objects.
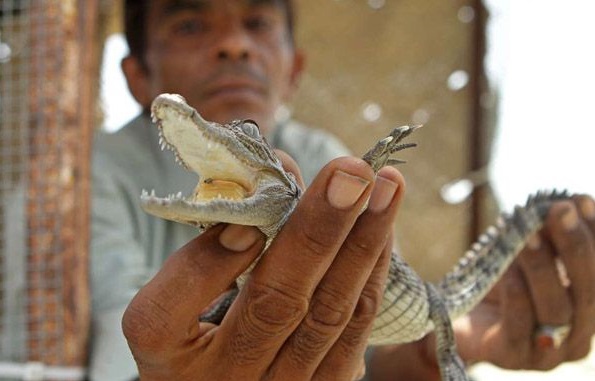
[{"x": 46, "y": 103}]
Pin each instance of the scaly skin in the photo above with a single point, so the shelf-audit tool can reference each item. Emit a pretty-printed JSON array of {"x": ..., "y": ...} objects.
[{"x": 243, "y": 182}]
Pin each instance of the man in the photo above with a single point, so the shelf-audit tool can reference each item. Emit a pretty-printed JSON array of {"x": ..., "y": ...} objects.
[{"x": 305, "y": 313}]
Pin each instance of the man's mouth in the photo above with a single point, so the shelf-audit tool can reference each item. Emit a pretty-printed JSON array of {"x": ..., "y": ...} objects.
[
  {"x": 239, "y": 82},
  {"x": 235, "y": 88},
  {"x": 236, "y": 91}
]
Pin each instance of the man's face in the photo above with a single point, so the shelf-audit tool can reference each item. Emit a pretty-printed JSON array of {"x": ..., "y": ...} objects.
[{"x": 230, "y": 59}]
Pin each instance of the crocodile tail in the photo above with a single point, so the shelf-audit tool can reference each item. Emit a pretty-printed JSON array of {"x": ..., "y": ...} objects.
[{"x": 485, "y": 262}]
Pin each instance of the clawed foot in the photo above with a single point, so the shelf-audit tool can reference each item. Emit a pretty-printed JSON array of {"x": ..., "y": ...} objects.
[{"x": 380, "y": 155}]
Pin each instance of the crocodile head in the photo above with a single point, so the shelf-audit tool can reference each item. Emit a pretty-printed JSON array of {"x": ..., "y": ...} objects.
[{"x": 241, "y": 180}]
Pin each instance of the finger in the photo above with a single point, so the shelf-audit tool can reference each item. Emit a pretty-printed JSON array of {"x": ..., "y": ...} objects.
[
  {"x": 512, "y": 340},
  {"x": 551, "y": 299},
  {"x": 575, "y": 244},
  {"x": 276, "y": 297},
  {"x": 339, "y": 300},
  {"x": 291, "y": 166},
  {"x": 586, "y": 207},
  {"x": 353, "y": 341},
  {"x": 165, "y": 311}
]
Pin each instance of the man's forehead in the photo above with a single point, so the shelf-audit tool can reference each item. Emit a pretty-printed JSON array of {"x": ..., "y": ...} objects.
[{"x": 170, "y": 6}]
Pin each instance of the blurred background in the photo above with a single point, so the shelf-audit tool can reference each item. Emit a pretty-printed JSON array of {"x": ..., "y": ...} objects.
[{"x": 502, "y": 88}]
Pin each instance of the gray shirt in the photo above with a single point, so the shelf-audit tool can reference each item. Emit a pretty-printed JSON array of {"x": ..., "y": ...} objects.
[{"x": 128, "y": 246}]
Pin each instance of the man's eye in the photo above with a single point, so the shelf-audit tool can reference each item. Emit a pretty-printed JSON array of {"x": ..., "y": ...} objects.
[
  {"x": 188, "y": 27},
  {"x": 258, "y": 23}
]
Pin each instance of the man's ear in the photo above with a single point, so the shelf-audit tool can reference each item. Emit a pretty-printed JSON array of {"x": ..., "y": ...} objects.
[
  {"x": 299, "y": 62},
  {"x": 137, "y": 79}
]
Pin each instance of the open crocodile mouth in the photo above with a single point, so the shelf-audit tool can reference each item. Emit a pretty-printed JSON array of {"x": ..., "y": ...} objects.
[
  {"x": 209, "y": 190},
  {"x": 230, "y": 181},
  {"x": 202, "y": 147},
  {"x": 229, "y": 178},
  {"x": 233, "y": 183}
]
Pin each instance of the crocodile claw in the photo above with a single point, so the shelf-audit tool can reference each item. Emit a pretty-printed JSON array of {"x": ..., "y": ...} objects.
[{"x": 380, "y": 155}]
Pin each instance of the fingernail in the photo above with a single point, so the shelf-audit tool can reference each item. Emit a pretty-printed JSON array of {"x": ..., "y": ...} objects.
[
  {"x": 588, "y": 208},
  {"x": 382, "y": 194},
  {"x": 534, "y": 242},
  {"x": 344, "y": 189},
  {"x": 570, "y": 219},
  {"x": 239, "y": 238}
]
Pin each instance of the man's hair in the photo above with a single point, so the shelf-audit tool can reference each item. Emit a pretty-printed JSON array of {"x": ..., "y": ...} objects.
[{"x": 135, "y": 24}]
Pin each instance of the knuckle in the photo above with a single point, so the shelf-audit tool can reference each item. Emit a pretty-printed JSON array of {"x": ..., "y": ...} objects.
[
  {"x": 368, "y": 241},
  {"x": 366, "y": 310},
  {"x": 328, "y": 315},
  {"x": 584, "y": 203},
  {"x": 271, "y": 313},
  {"x": 329, "y": 310},
  {"x": 274, "y": 308},
  {"x": 352, "y": 340},
  {"x": 307, "y": 345},
  {"x": 146, "y": 328},
  {"x": 575, "y": 243},
  {"x": 315, "y": 241},
  {"x": 367, "y": 305},
  {"x": 334, "y": 314},
  {"x": 365, "y": 242}
]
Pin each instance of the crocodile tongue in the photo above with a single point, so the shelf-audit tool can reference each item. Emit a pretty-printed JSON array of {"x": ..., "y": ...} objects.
[{"x": 210, "y": 189}]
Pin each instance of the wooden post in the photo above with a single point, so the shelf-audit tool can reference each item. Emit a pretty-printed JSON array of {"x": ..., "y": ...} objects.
[{"x": 62, "y": 97}]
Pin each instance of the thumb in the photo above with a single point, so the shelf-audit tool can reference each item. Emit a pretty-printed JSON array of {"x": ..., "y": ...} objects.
[{"x": 167, "y": 308}]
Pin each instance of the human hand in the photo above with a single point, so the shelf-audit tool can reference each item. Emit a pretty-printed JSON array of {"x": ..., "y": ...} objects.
[
  {"x": 307, "y": 308},
  {"x": 502, "y": 329}
]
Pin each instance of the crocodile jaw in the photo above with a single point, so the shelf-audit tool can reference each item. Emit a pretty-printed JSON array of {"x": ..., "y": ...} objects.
[
  {"x": 236, "y": 184},
  {"x": 199, "y": 146}
]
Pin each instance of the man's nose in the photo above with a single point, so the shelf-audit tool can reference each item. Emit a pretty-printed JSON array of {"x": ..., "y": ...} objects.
[{"x": 234, "y": 44}]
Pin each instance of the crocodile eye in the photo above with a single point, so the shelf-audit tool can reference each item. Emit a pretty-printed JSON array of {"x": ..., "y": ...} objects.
[{"x": 250, "y": 128}]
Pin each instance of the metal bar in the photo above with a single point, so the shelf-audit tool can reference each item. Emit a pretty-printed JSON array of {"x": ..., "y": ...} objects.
[{"x": 478, "y": 136}]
